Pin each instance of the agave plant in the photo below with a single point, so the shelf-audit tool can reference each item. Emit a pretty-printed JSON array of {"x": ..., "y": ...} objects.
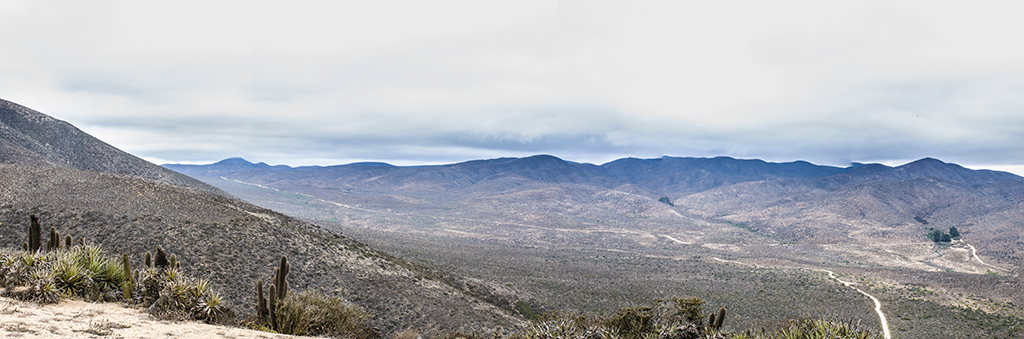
[
  {"x": 200, "y": 287},
  {"x": 69, "y": 274},
  {"x": 210, "y": 308},
  {"x": 42, "y": 286}
]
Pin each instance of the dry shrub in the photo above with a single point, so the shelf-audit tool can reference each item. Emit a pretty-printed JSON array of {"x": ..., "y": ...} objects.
[{"x": 315, "y": 313}]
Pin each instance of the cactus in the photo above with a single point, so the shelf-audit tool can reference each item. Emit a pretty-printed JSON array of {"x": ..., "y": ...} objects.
[
  {"x": 34, "y": 233},
  {"x": 54, "y": 243},
  {"x": 711, "y": 320},
  {"x": 149, "y": 259},
  {"x": 273, "y": 307},
  {"x": 261, "y": 302},
  {"x": 161, "y": 259},
  {"x": 24, "y": 246},
  {"x": 68, "y": 241},
  {"x": 127, "y": 267},
  {"x": 719, "y": 320},
  {"x": 173, "y": 261},
  {"x": 126, "y": 290},
  {"x": 129, "y": 284},
  {"x": 280, "y": 278}
]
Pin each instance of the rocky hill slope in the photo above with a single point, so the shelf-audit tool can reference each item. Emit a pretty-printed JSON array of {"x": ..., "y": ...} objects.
[
  {"x": 31, "y": 138},
  {"x": 131, "y": 208}
]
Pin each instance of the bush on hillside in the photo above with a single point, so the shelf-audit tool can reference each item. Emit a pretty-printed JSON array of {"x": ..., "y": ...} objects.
[{"x": 315, "y": 313}]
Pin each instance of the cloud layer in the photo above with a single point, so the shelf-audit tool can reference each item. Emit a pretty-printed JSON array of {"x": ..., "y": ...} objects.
[{"x": 412, "y": 82}]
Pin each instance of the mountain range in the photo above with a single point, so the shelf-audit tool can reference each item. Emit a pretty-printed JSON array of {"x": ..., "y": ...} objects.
[
  {"x": 867, "y": 218},
  {"x": 799, "y": 201}
]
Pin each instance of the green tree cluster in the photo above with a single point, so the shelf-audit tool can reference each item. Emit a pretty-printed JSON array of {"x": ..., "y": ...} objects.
[{"x": 940, "y": 236}]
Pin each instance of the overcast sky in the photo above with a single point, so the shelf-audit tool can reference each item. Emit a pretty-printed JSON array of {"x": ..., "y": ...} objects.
[{"x": 425, "y": 82}]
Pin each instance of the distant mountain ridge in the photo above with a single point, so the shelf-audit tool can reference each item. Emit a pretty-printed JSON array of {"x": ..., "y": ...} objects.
[
  {"x": 671, "y": 176},
  {"x": 798, "y": 201}
]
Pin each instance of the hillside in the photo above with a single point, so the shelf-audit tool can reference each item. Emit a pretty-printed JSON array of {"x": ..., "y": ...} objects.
[
  {"x": 131, "y": 207},
  {"x": 31, "y": 138}
]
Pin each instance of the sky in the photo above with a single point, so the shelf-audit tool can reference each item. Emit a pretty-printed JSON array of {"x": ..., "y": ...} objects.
[{"x": 428, "y": 82}]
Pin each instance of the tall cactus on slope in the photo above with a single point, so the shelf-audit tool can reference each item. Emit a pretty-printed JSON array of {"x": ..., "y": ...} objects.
[{"x": 34, "y": 233}]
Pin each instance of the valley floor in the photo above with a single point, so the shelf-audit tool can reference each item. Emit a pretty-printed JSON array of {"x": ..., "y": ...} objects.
[{"x": 79, "y": 319}]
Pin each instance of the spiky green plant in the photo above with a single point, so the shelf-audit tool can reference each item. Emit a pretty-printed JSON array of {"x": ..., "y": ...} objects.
[
  {"x": 823, "y": 328},
  {"x": 632, "y": 323},
  {"x": 211, "y": 308},
  {"x": 172, "y": 275},
  {"x": 42, "y": 287},
  {"x": 112, "y": 275},
  {"x": 69, "y": 273},
  {"x": 562, "y": 325},
  {"x": 200, "y": 287}
]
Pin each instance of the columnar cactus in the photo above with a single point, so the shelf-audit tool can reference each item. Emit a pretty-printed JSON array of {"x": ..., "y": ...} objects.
[
  {"x": 720, "y": 319},
  {"x": 280, "y": 278},
  {"x": 261, "y": 302},
  {"x": 68, "y": 241},
  {"x": 34, "y": 233},
  {"x": 173, "y": 261},
  {"x": 54, "y": 243},
  {"x": 273, "y": 307},
  {"x": 129, "y": 284},
  {"x": 161, "y": 259},
  {"x": 149, "y": 259}
]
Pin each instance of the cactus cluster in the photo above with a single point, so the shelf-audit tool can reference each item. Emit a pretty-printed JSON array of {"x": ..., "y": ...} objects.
[
  {"x": 35, "y": 238},
  {"x": 62, "y": 269},
  {"x": 266, "y": 308}
]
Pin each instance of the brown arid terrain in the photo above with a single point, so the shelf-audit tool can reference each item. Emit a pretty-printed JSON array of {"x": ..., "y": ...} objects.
[
  {"x": 79, "y": 319},
  {"x": 227, "y": 241},
  {"x": 754, "y": 236}
]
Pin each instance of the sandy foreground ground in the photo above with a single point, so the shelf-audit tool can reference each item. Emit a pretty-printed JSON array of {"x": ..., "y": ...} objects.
[{"x": 79, "y": 319}]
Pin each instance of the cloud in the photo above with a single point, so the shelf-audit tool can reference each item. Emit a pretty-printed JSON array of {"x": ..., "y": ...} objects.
[{"x": 413, "y": 82}]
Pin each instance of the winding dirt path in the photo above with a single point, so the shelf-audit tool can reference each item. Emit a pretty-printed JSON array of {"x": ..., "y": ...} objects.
[
  {"x": 878, "y": 304},
  {"x": 974, "y": 252}
]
